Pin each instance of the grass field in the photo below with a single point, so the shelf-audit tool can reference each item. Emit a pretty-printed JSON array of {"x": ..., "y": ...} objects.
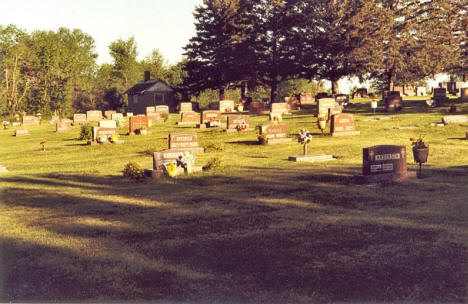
[{"x": 262, "y": 229}]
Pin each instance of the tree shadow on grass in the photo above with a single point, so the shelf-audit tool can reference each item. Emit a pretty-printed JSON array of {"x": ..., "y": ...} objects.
[{"x": 281, "y": 236}]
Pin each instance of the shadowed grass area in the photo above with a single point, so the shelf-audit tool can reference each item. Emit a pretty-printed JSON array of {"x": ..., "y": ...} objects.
[{"x": 261, "y": 230}]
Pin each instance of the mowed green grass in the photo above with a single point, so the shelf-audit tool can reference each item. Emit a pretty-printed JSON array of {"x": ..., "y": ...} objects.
[{"x": 262, "y": 229}]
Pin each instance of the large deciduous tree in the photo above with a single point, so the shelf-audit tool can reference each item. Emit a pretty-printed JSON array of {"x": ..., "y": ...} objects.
[
  {"x": 421, "y": 40},
  {"x": 342, "y": 38}
]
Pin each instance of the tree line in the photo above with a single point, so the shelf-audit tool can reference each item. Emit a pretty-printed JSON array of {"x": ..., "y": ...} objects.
[
  {"x": 56, "y": 72},
  {"x": 258, "y": 47},
  {"x": 253, "y": 43}
]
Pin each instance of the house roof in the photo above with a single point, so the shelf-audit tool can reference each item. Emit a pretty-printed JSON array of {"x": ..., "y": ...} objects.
[{"x": 150, "y": 85}]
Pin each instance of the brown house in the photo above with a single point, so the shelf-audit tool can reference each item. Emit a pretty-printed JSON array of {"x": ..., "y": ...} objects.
[{"x": 148, "y": 93}]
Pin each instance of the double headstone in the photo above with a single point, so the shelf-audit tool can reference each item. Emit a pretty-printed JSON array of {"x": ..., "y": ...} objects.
[
  {"x": 393, "y": 101},
  {"x": 79, "y": 119},
  {"x": 210, "y": 118},
  {"x": 280, "y": 107},
  {"x": 94, "y": 115},
  {"x": 342, "y": 125},
  {"x": 137, "y": 123},
  {"x": 189, "y": 118},
  {"x": 63, "y": 125},
  {"x": 31, "y": 121},
  {"x": 103, "y": 134},
  {"x": 274, "y": 134},
  {"x": 383, "y": 163},
  {"x": 226, "y": 106},
  {"x": 185, "y": 142},
  {"x": 238, "y": 123},
  {"x": 256, "y": 107}
]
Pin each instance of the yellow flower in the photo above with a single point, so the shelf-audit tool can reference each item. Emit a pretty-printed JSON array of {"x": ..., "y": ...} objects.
[{"x": 171, "y": 169}]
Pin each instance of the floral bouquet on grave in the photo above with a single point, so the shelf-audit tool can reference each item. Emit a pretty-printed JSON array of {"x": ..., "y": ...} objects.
[
  {"x": 304, "y": 137},
  {"x": 242, "y": 127},
  {"x": 170, "y": 168},
  {"x": 186, "y": 161},
  {"x": 261, "y": 136},
  {"x": 418, "y": 143}
]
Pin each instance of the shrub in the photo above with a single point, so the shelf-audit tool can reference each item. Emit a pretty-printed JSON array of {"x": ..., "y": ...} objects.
[
  {"x": 86, "y": 132},
  {"x": 214, "y": 147},
  {"x": 164, "y": 116},
  {"x": 214, "y": 164},
  {"x": 133, "y": 171}
]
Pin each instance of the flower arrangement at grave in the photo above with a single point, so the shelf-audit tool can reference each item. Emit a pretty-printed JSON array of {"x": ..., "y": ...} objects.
[
  {"x": 242, "y": 127},
  {"x": 304, "y": 137},
  {"x": 170, "y": 168},
  {"x": 240, "y": 105},
  {"x": 5, "y": 124},
  {"x": 322, "y": 122},
  {"x": 114, "y": 138},
  {"x": 420, "y": 152},
  {"x": 186, "y": 162},
  {"x": 262, "y": 136},
  {"x": 42, "y": 143},
  {"x": 143, "y": 130}
]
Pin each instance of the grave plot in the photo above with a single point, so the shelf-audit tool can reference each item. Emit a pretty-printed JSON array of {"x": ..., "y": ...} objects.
[
  {"x": 342, "y": 124},
  {"x": 384, "y": 163},
  {"x": 93, "y": 115},
  {"x": 31, "y": 121},
  {"x": 79, "y": 119},
  {"x": 172, "y": 162},
  {"x": 238, "y": 123},
  {"x": 189, "y": 118},
  {"x": 273, "y": 134},
  {"x": 210, "y": 118},
  {"x": 138, "y": 125},
  {"x": 185, "y": 141}
]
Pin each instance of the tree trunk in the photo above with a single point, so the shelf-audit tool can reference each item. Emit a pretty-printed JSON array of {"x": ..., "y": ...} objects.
[
  {"x": 274, "y": 91},
  {"x": 243, "y": 89},
  {"x": 221, "y": 93},
  {"x": 334, "y": 87},
  {"x": 390, "y": 80}
]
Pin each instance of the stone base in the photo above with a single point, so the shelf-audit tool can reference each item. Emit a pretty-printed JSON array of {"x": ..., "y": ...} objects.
[
  {"x": 384, "y": 178},
  {"x": 278, "y": 141},
  {"x": 349, "y": 133},
  {"x": 312, "y": 158},
  {"x": 160, "y": 173},
  {"x": 264, "y": 112},
  {"x": 185, "y": 123},
  {"x": 235, "y": 130}
]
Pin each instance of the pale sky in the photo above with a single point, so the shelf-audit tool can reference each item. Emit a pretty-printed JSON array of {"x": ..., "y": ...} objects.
[{"x": 166, "y": 25}]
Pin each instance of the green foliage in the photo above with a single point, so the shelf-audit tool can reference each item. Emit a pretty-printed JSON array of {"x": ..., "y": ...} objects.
[
  {"x": 165, "y": 116},
  {"x": 214, "y": 164},
  {"x": 86, "y": 132},
  {"x": 133, "y": 171}
]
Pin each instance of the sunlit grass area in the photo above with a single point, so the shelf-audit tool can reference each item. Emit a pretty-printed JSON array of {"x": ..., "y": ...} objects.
[{"x": 263, "y": 229}]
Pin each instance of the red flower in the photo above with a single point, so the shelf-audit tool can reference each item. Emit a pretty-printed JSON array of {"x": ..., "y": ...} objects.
[{"x": 411, "y": 139}]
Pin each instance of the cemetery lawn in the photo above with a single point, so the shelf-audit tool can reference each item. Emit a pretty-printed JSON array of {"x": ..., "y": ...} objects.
[{"x": 263, "y": 229}]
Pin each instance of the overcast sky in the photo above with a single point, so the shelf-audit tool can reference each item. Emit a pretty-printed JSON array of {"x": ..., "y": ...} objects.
[{"x": 166, "y": 25}]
